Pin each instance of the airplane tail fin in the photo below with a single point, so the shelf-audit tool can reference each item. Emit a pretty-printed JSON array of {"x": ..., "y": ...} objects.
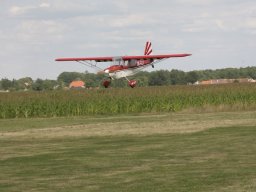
[{"x": 148, "y": 49}]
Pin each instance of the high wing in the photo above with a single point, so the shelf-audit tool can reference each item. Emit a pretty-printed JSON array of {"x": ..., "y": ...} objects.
[
  {"x": 97, "y": 59},
  {"x": 125, "y": 58}
]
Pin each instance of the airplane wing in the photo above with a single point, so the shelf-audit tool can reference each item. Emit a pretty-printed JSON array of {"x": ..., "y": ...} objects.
[
  {"x": 125, "y": 58},
  {"x": 97, "y": 59},
  {"x": 144, "y": 57}
]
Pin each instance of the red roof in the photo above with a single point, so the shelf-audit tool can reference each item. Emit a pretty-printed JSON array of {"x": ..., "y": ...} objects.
[{"x": 76, "y": 84}]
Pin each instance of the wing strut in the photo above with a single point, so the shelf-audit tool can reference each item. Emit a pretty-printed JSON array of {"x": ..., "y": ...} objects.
[
  {"x": 90, "y": 64},
  {"x": 151, "y": 64}
]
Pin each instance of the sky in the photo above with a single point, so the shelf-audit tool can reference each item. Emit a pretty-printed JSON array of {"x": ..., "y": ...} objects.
[{"x": 218, "y": 33}]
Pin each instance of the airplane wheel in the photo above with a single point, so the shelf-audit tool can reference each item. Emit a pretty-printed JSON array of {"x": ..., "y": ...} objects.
[
  {"x": 106, "y": 83},
  {"x": 132, "y": 83}
]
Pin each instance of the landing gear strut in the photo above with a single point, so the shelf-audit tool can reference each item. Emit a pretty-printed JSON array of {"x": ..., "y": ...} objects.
[
  {"x": 132, "y": 83},
  {"x": 106, "y": 82}
]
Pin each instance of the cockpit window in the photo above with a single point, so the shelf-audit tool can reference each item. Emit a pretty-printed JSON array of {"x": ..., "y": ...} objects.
[
  {"x": 118, "y": 61},
  {"x": 132, "y": 63}
]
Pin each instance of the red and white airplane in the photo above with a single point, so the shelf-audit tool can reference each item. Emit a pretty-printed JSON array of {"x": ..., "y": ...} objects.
[{"x": 124, "y": 66}]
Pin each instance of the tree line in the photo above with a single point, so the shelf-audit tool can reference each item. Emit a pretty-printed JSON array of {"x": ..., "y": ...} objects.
[{"x": 144, "y": 78}]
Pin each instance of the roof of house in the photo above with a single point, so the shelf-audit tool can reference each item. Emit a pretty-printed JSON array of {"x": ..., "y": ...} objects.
[
  {"x": 223, "y": 81},
  {"x": 76, "y": 84}
]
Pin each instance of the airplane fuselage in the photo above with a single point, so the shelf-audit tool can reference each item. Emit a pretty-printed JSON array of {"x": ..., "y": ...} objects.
[
  {"x": 123, "y": 73},
  {"x": 128, "y": 69}
]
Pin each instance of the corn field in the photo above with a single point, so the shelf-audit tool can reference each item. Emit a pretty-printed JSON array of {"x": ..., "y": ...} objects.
[{"x": 126, "y": 101}]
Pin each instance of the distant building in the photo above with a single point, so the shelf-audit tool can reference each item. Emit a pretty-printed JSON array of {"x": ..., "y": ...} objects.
[
  {"x": 225, "y": 81},
  {"x": 77, "y": 85}
]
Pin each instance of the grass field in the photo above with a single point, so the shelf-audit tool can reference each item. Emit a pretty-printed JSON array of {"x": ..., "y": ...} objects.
[{"x": 150, "y": 152}]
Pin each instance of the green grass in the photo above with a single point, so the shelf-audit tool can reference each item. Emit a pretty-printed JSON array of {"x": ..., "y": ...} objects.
[{"x": 205, "y": 158}]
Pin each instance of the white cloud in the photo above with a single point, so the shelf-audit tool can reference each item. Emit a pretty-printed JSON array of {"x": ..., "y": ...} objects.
[
  {"x": 127, "y": 21},
  {"x": 44, "y": 5},
  {"x": 40, "y": 31},
  {"x": 26, "y": 9},
  {"x": 16, "y": 10}
]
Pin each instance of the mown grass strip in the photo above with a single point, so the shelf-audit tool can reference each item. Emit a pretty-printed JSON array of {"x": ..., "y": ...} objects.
[{"x": 220, "y": 159}]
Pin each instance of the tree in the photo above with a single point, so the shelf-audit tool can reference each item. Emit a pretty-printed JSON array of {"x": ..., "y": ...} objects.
[
  {"x": 38, "y": 85},
  {"x": 142, "y": 78},
  {"x": 159, "y": 78},
  {"x": 6, "y": 84},
  {"x": 49, "y": 84},
  {"x": 68, "y": 77},
  {"x": 251, "y": 72},
  {"x": 25, "y": 83},
  {"x": 92, "y": 80},
  {"x": 177, "y": 77},
  {"x": 191, "y": 77}
]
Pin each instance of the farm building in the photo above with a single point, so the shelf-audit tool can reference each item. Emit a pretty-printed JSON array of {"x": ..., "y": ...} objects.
[
  {"x": 225, "y": 81},
  {"x": 77, "y": 85}
]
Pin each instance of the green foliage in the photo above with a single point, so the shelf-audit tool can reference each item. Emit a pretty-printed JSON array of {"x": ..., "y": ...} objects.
[
  {"x": 122, "y": 101},
  {"x": 228, "y": 73},
  {"x": 5, "y": 84},
  {"x": 38, "y": 85},
  {"x": 68, "y": 77},
  {"x": 159, "y": 78},
  {"x": 144, "y": 79},
  {"x": 24, "y": 83},
  {"x": 192, "y": 77},
  {"x": 177, "y": 77}
]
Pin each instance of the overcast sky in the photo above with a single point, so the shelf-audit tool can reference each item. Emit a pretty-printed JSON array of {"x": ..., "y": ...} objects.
[{"x": 219, "y": 33}]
